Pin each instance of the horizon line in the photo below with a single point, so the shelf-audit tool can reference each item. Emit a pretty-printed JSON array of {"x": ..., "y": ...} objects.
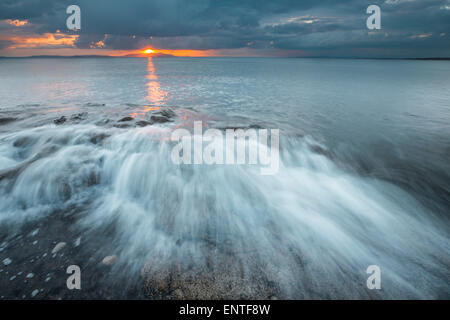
[{"x": 269, "y": 57}]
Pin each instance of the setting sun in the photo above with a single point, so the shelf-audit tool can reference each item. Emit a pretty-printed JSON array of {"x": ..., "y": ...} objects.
[{"x": 148, "y": 51}]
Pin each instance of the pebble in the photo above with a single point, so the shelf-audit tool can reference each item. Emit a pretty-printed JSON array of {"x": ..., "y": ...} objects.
[
  {"x": 35, "y": 242},
  {"x": 109, "y": 260},
  {"x": 7, "y": 261},
  {"x": 12, "y": 278},
  {"x": 30, "y": 275},
  {"x": 58, "y": 247},
  {"x": 77, "y": 242},
  {"x": 34, "y": 293}
]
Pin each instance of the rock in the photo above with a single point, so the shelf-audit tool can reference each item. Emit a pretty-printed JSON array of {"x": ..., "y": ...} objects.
[
  {"x": 122, "y": 125},
  {"x": 30, "y": 276},
  {"x": 169, "y": 113},
  {"x": 162, "y": 115},
  {"x": 160, "y": 119},
  {"x": 79, "y": 116},
  {"x": 60, "y": 120},
  {"x": 143, "y": 123},
  {"x": 58, "y": 247},
  {"x": 109, "y": 260},
  {"x": 126, "y": 119},
  {"x": 90, "y": 104},
  {"x": 7, "y": 261},
  {"x": 34, "y": 293}
]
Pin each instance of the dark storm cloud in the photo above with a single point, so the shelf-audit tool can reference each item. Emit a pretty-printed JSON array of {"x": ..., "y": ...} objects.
[
  {"x": 5, "y": 44},
  {"x": 219, "y": 24}
]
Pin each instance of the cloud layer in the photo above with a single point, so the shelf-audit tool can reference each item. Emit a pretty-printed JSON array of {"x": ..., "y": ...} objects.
[{"x": 411, "y": 28}]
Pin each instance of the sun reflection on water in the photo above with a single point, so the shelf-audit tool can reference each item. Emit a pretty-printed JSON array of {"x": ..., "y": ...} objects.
[{"x": 156, "y": 96}]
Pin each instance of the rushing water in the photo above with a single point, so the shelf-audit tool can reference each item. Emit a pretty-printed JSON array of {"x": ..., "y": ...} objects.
[{"x": 363, "y": 180}]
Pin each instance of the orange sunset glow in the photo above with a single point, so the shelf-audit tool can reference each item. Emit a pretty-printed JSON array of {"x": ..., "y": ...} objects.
[
  {"x": 56, "y": 39},
  {"x": 148, "y": 52},
  {"x": 24, "y": 43},
  {"x": 17, "y": 22}
]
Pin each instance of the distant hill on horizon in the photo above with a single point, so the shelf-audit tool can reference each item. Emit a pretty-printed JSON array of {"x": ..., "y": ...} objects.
[{"x": 155, "y": 55}]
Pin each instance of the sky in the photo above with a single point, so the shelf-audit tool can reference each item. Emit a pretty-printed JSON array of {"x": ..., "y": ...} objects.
[{"x": 263, "y": 28}]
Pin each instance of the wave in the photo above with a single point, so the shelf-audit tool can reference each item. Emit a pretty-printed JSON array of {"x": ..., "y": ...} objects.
[{"x": 309, "y": 231}]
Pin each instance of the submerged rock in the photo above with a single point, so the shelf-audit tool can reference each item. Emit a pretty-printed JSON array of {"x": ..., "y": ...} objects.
[
  {"x": 122, "y": 125},
  {"x": 6, "y": 120},
  {"x": 143, "y": 123},
  {"x": 98, "y": 138}
]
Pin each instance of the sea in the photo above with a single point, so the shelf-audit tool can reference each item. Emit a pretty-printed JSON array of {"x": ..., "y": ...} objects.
[{"x": 363, "y": 182}]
